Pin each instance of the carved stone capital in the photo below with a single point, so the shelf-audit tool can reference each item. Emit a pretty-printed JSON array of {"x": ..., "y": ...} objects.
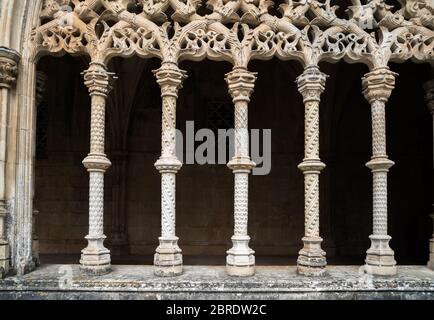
[
  {"x": 241, "y": 83},
  {"x": 311, "y": 83},
  {"x": 378, "y": 84},
  {"x": 170, "y": 79},
  {"x": 98, "y": 80},
  {"x": 8, "y": 67},
  {"x": 429, "y": 95}
]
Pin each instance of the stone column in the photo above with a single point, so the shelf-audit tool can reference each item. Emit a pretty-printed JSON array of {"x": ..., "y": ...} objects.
[
  {"x": 8, "y": 73},
  {"x": 240, "y": 258},
  {"x": 95, "y": 258},
  {"x": 168, "y": 256},
  {"x": 311, "y": 259},
  {"x": 429, "y": 97},
  {"x": 377, "y": 88}
]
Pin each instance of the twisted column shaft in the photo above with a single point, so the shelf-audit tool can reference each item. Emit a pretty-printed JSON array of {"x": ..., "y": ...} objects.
[
  {"x": 95, "y": 258},
  {"x": 168, "y": 256},
  {"x": 311, "y": 260},
  {"x": 240, "y": 259},
  {"x": 377, "y": 88},
  {"x": 429, "y": 97}
]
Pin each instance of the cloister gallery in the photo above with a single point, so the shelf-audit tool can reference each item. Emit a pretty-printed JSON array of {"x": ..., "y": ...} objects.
[{"x": 342, "y": 201}]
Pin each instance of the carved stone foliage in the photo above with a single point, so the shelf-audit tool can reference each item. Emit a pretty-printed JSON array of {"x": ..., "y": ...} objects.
[
  {"x": 309, "y": 31},
  {"x": 8, "y": 67}
]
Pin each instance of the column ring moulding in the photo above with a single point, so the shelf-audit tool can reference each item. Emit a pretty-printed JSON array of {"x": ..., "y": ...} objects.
[{"x": 235, "y": 31}]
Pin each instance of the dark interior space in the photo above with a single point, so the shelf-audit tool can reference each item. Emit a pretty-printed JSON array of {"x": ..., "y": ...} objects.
[{"x": 205, "y": 192}]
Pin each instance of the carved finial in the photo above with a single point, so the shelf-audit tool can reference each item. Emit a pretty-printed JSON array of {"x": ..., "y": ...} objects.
[
  {"x": 378, "y": 84},
  {"x": 8, "y": 67}
]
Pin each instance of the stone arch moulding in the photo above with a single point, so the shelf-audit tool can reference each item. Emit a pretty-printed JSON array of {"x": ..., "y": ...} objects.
[{"x": 236, "y": 31}]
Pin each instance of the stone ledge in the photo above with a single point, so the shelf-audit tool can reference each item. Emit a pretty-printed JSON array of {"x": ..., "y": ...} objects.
[{"x": 207, "y": 282}]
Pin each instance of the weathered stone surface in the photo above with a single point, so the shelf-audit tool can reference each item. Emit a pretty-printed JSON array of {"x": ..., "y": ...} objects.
[{"x": 139, "y": 282}]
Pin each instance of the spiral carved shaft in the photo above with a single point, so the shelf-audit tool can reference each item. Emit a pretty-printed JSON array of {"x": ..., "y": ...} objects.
[
  {"x": 311, "y": 84},
  {"x": 311, "y": 130},
  {"x": 170, "y": 79},
  {"x": 168, "y": 205},
  {"x": 168, "y": 135},
  {"x": 311, "y": 205}
]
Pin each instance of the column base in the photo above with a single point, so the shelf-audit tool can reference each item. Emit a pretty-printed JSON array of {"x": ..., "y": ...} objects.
[
  {"x": 431, "y": 254},
  {"x": 240, "y": 260},
  {"x": 95, "y": 259},
  {"x": 4, "y": 258},
  {"x": 380, "y": 258},
  {"x": 312, "y": 260},
  {"x": 168, "y": 258}
]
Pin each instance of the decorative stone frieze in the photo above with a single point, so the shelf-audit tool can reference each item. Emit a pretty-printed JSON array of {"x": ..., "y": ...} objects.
[
  {"x": 95, "y": 258},
  {"x": 240, "y": 258},
  {"x": 429, "y": 97},
  {"x": 168, "y": 256},
  {"x": 311, "y": 260},
  {"x": 377, "y": 88}
]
